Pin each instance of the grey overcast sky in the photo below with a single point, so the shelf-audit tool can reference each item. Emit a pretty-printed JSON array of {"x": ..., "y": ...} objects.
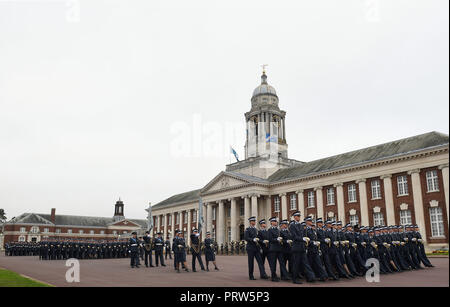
[{"x": 92, "y": 92}]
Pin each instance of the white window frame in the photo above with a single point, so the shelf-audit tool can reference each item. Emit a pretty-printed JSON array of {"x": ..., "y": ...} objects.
[
  {"x": 311, "y": 199},
  {"x": 276, "y": 204},
  {"x": 46, "y": 230},
  {"x": 214, "y": 213},
  {"x": 22, "y": 239},
  {"x": 405, "y": 217},
  {"x": 23, "y": 229},
  {"x": 58, "y": 230},
  {"x": 185, "y": 217},
  {"x": 351, "y": 192},
  {"x": 354, "y": 219},
  {"x": 293, "y": 202},
  {"x": 432, "y": 181},
  {"x": 92, "y": 232},
  {"x": 402, "y": 185},
  {"x": 330, "y": 196},
  {"x": 437, "y": 222},
  {"x": 229, "y": 234},
  {"x": 375, "y": 186},
  {"x": 194, "y": 216},
  {"x": 69, "y": 230},
  {"x": 177, "y": 218},
  {"x": 241, "y": 210},
  {"x": 378, "y": 219},
  {"x": 81, "y": 231},
  {"x": 102, "y": 232}
]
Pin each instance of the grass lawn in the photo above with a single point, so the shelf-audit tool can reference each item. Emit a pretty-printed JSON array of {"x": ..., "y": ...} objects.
[{"x": 12, "y": 279}]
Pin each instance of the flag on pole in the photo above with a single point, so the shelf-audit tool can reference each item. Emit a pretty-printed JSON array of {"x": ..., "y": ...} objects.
[
  {"x": 200, "y": 215},
  {"x": 234, "y": 153},
  {"x": 270, "y": 138}
]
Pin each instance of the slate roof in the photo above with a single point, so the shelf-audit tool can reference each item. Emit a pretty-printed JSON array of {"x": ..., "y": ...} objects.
[
  {"x": 352, "y": 158},
  {"x": 70, "y": 220},
  {"x": 179, "y": 198},
  {"x": 365, "y": 155}
]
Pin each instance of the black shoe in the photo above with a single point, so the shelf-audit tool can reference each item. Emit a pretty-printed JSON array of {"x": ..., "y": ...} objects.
[
  {"x": 187, "y": 270},
  {"x": 146, "y": 265},
  {"x": 152, "y": 266},
  {"x": 216, "y": 268},
  {"x": 323, "y": 279},
  {"x": 163, "y": 265},
  {"x": 207, "y": 269},
  {"x": 285, "y": 278},
  {"x": 132, "y": 266},
  {"x": 194, "y": 270},
  {"x": 275, "y": 279},
  {"x": 178, "y": 271},
  {"x": 137, "y": 266},
  {"x": 264, "y": 277},
  {"x": 296, "y": 281},
  {"x": 252, "y": 278},
  {"x": 203, "y": 269}
]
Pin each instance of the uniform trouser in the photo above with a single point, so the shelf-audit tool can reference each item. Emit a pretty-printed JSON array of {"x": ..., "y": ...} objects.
[
  {"x": 357, "y": 260},
  {"x": 252, "y": 255},
  {"x": 400, "y": 260},
  {"x": 316, "y": 264},
  {"x": 159, "y": 257},
  {"x": 147, "y": 256},
  {"x": 134, "y": 256},
  {"x": 168, "y": 253},
  {"x": 336, "y": 261},
  {"x": 264, "y": 256},
  {"x": 301, "y": 265},
  {"x": 422, "y": 255},
  {"x": 197, "y": 256},
  {"x": 327, "y": 262},
  {"x": 287, "y": 260},
  {"x": 272, "y": 257},
  {"x": 413, "y": 253},
  {"x": 349, "y": 261}
]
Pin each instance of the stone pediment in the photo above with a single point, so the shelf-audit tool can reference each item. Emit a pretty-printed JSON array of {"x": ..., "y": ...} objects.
[{"x": 224, "y": 181}]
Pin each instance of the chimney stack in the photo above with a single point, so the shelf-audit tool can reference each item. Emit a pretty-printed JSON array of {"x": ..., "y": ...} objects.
[{"x": 52, "y": 216}]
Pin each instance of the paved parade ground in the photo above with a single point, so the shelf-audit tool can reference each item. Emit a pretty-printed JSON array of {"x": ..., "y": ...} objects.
[{"x": 233, "y": 273}]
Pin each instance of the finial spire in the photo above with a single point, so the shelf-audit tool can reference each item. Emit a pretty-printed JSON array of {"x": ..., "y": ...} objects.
[
  {"x": 264, "y": 68},
  {"x": 264, "y": 76}
]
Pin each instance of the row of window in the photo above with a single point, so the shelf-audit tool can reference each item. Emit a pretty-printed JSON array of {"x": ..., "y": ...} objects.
[
  {"x": 35, "y": 230},
  {"x": 436, "y": 220},
  {"x": 402, "y": 186}
]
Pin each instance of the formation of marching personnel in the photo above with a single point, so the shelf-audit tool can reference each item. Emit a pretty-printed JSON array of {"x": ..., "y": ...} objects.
[
  {"x": 322, "y": 250},
  {"x": 179, "y": 248}
]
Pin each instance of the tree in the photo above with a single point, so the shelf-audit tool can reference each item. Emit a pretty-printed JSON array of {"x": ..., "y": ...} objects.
[{"x": 2, "y": 216}]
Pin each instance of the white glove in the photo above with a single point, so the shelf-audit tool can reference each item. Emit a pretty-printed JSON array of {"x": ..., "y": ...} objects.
[
  {"x": 363, "y": 244},
  {"x": 306, "y": 239},
  {"x": 414, "y": 239},
  {"x": 289, "y": 241},
  {"x": 327, "y": 240},
  {"x": 336, "y": 243},
  {"x": 354, "y": 245},
  {"x": 266, "y": 241},
  {"x": 405, "y": 239},
  {"x": 420, "y": 240},
  {"x": 255, "y": 240},
  {"x": 280, "y": 239},
  {"x": 180, "y": 246},
  {"x": 373, "y": 244},
  {"x": 316, "y": 243}
]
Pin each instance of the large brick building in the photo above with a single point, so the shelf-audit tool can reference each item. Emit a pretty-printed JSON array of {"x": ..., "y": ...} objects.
[
  {"x": 400, "y": 182},
  {"x": 36, "y": 226}
]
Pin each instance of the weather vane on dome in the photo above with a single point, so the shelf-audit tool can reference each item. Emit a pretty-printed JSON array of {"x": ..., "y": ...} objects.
[{"x": 264, "y": 67}]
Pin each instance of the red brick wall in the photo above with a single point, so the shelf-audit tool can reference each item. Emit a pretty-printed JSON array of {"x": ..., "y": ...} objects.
[{"x": 429, "y": 196}]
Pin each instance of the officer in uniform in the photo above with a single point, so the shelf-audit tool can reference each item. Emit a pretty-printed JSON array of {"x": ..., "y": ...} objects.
[
  {"x": 196, "y": 250},
  {"x": 134, "y": 250},
  {"x": 313, "y": 251},
  {"x": 179, "y": 248},
  {"x": 148, "y": 246},
  {"x": 263, "y": 236},
  {"x": 325, "y": 244},
  {"x": 286, "y": 246},
  {"x": 253, "y": 249},
  {"x": 167, "y": 247},
  {"x": 275, "y": 251},
  {"x": 159, "y": 246},
  {"x": 210, "y": 255},
  {"x": 299, "y": 245}
]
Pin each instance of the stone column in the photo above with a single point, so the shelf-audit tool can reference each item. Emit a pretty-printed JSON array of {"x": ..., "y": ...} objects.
[
  {"x": 340, "y": 202},
  {"x": 444, "y": 169},
  {"x": 172, "y": 231},
  {"x": 389, "y": 199},
  {"x": 364, "y": 206},
  {"x": 319, "y": 197},
  {"x": 189, "y": 221},
  {"x": 220, "y": 222},
  {"x": 180, "y": 219},
  {"x": 301, "y": 202},
  {"x": 284, "y": 210},
  {"x": 418, "y": 201},
  {"x": 166, "y": 232},
  {"x": 246, "y": 210},
  {"x": 208, "y": 217},
  {"x": 268, "y": 208},
  {"x": 233, "y": 219},
  {"x": 254, "y": 204}
]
